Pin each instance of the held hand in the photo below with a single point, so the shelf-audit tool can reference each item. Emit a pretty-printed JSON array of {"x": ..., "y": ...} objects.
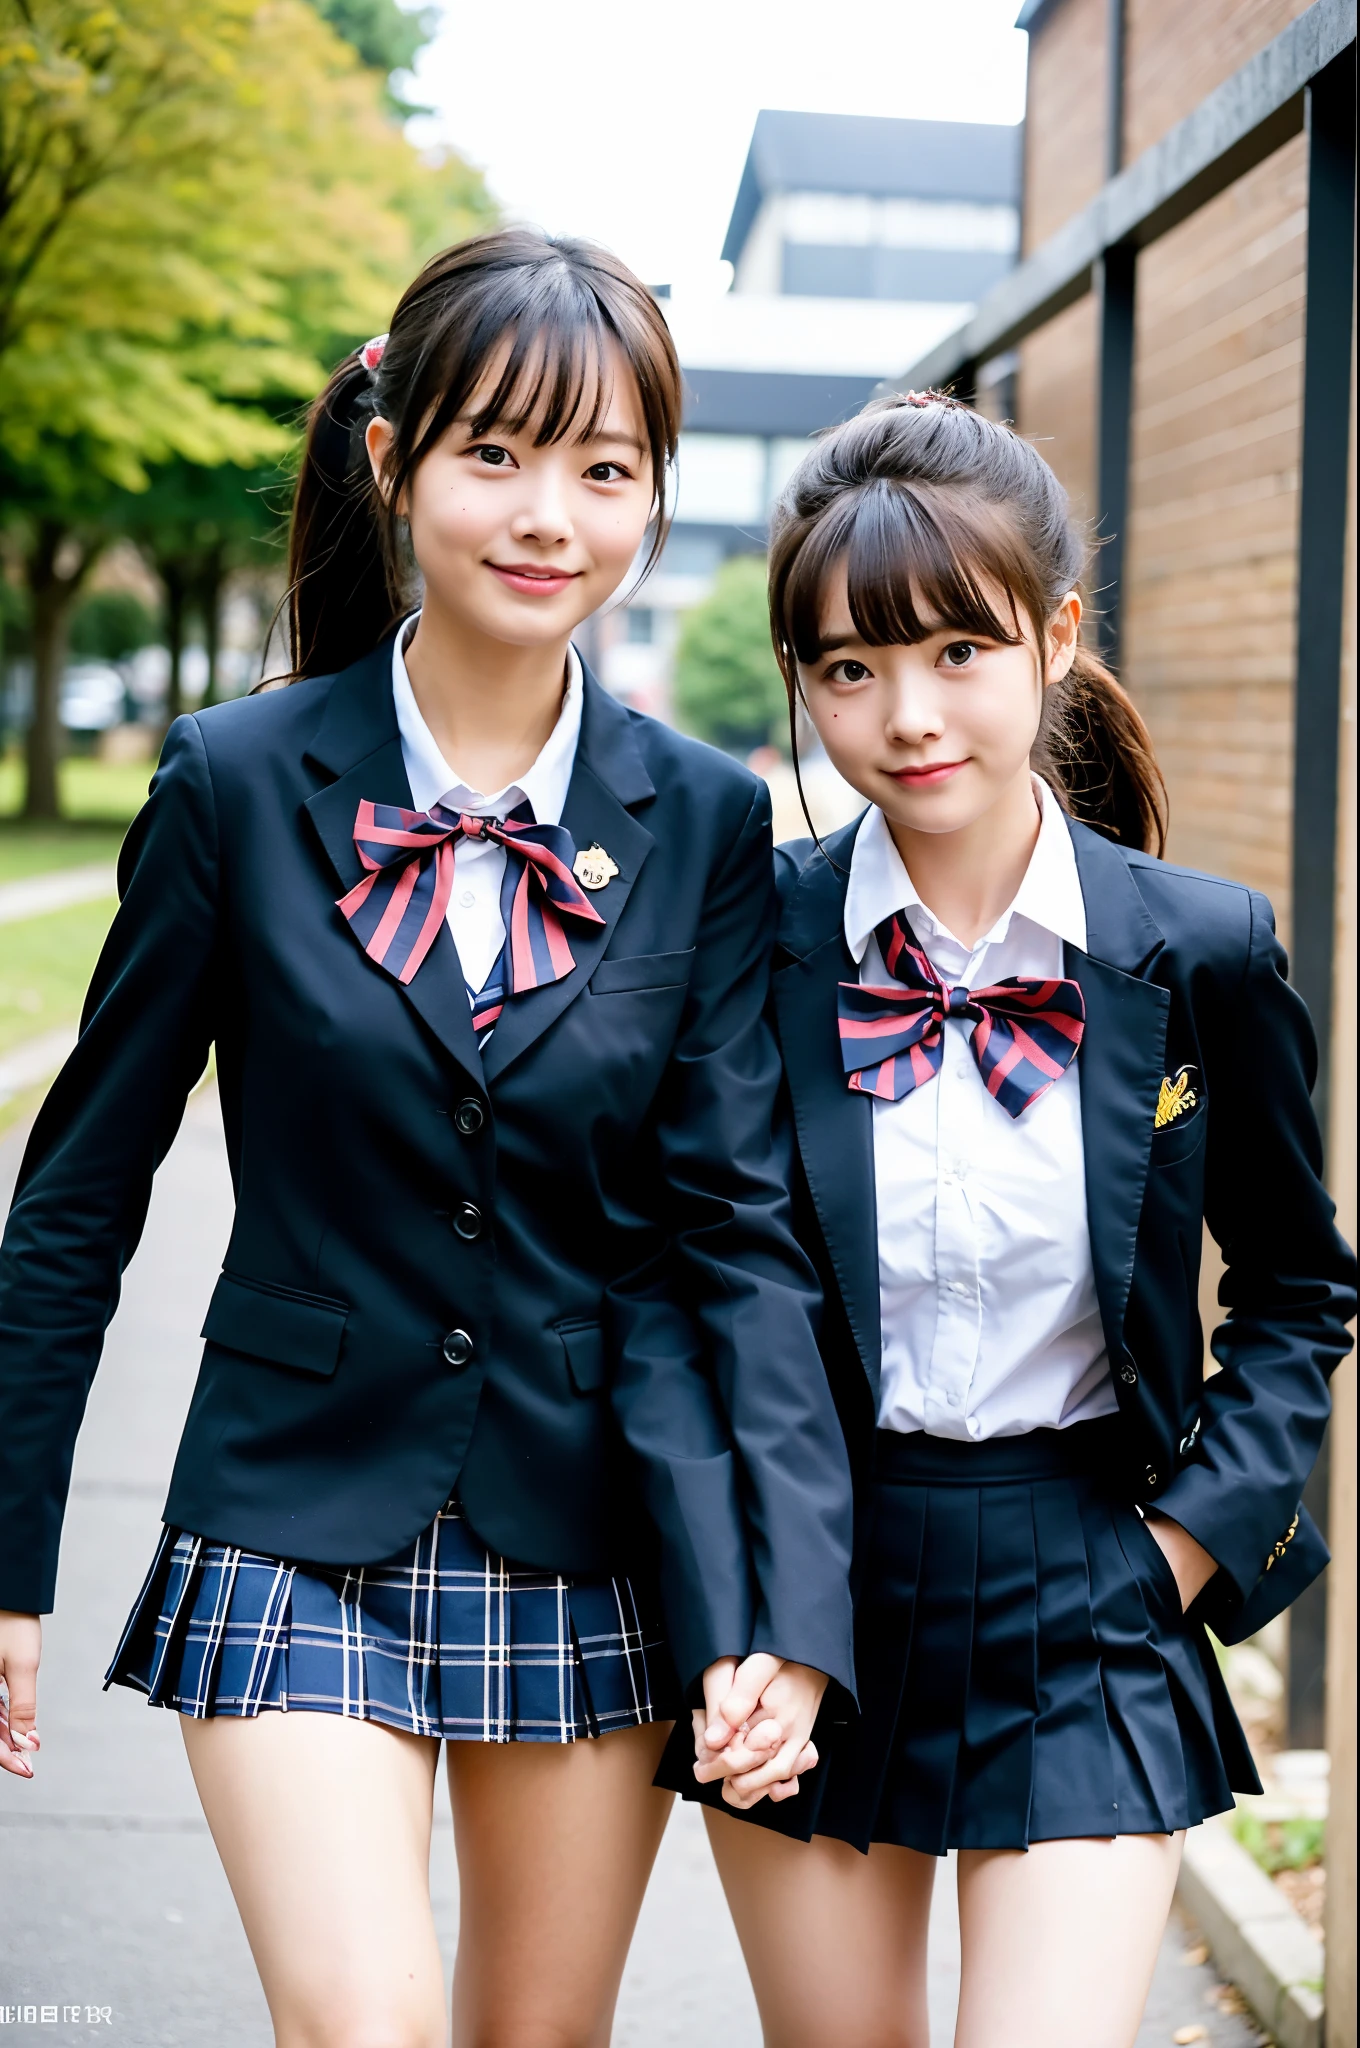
[
  {"x": 767, "y": 1748},
  {"x": 1190, "y": 1562},
  {"x": 20, "y": 1650}
]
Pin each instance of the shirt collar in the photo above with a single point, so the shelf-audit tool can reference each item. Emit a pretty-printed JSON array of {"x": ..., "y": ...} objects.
[
  {"x": 1049, "y": 894},
  {"x": 433, "y": 780}
]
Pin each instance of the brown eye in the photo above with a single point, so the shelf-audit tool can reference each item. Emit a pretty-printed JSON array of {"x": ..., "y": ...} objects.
[
  {"x": 959, "y": 653},
  {"x": 605, "y": 472},
  {"x": 493, "y": 457},
  {"x": 851, "y": 671}
]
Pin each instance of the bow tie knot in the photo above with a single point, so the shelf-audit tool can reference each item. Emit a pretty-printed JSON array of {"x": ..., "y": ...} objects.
[
  {"x": 397, "y": 910},
  {"x": 1027, "y": 1029}
]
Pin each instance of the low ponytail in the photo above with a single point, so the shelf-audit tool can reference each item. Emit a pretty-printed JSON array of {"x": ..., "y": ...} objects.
[
  {"x": 341, "y": 599},
  {"x": 1096, "y": 755},
  {"x": 930, "y": 507}
]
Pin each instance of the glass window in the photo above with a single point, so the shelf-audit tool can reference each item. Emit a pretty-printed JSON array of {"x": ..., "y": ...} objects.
[{"x": 721, "y": 479}]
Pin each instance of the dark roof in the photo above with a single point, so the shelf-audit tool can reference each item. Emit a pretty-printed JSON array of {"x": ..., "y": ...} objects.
[
  {"x": 777, "y": 402},
  {"x": 1029, "y": 14},
  {"x": 870, "y": 153}
]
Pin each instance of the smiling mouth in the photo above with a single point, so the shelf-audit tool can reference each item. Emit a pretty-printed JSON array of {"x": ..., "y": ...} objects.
[
  {"x": 926, "y": 777},
  {"x": 533, "y": 581}
]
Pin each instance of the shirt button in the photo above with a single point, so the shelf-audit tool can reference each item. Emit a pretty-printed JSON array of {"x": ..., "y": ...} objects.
[
  {"x": 469, "y": 1116},
  {"x": 467, "y": 1221},
  {"x": 458, "y": 1348},
  {"x": 467, "y": 899}
]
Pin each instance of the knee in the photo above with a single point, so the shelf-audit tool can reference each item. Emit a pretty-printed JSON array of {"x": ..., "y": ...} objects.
[{"x": 361, "y": 2022}]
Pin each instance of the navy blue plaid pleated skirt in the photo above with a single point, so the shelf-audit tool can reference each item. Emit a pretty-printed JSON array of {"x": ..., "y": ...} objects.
[
  {"x": 445, "y": 1639},
  {"x": 1025, "y": 1669}
]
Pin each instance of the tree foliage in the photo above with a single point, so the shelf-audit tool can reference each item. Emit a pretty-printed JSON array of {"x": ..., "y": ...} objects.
[
  {"x": 728, "y": 688},
  {"x": 387, "y": 38},
  {"x": 201, "y": 206}
]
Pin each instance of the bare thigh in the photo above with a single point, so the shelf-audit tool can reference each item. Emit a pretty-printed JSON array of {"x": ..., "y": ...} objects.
[
  {"x": 1060, "y": 1940},
  {"x": 835, "y": 1942},
  {"x": 555, "y": 1845},
  {"x": 323, "y": 1827}
]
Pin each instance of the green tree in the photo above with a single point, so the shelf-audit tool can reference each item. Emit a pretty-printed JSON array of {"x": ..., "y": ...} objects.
[
  {"x": 387, "y": 38},
  {"x": 728, "y": 688},
  {"x": 194, "y": 203}
]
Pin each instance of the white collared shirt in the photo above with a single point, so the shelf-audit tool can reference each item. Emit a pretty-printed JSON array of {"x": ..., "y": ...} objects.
[
  {"x": 474, "y": 913},
  {"x": 986, "y": 1287}
]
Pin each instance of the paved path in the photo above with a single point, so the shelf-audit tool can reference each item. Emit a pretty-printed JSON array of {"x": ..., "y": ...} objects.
[
  {"x": 112, "y": 1893},
  {"x": 59, "y": 890}
]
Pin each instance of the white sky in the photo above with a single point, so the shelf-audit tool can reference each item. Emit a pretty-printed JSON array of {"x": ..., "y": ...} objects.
[{"x": 629, "y": 121}]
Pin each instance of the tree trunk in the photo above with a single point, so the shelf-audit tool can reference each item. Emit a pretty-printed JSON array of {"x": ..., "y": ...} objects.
[
  {"x": 176, "y": 603},
  {"x": 52, "y": 590},
  {"x": 210, "y": 606}
]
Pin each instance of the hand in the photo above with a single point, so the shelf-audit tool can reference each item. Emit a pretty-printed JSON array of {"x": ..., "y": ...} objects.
[
  {"x": 20, "y": 1650},
  {"x": 755, "y": 1729},
  {"x": 1190, "y": 1562}
]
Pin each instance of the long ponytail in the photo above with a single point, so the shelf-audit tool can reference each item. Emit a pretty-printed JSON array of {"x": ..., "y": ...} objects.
[
  {"x": 930, "y": 506},
  {"x": 340, "y": 596},
  {"x": 516, "y": 323}
]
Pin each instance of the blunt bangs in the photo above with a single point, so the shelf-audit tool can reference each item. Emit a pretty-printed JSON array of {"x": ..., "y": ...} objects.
[{"x": 917, "y": 561}]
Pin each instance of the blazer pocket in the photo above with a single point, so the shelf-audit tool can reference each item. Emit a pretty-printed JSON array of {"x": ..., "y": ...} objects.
[
  {"x": 584, "y": 1345},
  {"x": 279, "y": 1324},
  {"x": 642, "y": 971},
  {"x": 1179, "y": 1141}
]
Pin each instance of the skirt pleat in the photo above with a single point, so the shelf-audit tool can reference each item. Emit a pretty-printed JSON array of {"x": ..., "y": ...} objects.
[
  {"x": 445, "y": 1640},
  {"x": 1025, "y": 1670}
]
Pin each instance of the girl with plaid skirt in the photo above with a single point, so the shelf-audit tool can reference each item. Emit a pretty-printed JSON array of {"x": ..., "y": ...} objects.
[
  {"x": 510, "y": 1431},
  {"x": 1028, "y": 1061}
]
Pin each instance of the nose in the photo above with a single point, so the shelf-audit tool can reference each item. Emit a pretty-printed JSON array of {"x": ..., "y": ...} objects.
[
  {"x": 915, "y": 711},
  {"x": 543, "y": 515}
]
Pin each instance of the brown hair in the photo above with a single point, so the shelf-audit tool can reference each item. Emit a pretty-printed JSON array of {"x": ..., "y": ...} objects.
[
  {"x": 559, "y": 304},
  {"x": 929, "y": 504}
]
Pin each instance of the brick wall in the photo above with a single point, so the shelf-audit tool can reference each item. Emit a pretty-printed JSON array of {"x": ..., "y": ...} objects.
[
  {"x": 1056, "y": 399},
  {"x": 1209, "y": 619},
  {"x": 1064, "y": 116}
]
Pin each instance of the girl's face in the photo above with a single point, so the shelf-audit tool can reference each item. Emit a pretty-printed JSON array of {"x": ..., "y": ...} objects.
[
  {"x": 935, "y": 733},
  {"x": 518, "y": 544}
]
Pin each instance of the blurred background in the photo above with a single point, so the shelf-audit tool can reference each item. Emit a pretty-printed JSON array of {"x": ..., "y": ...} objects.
[{"x": 1124, "y": 225}]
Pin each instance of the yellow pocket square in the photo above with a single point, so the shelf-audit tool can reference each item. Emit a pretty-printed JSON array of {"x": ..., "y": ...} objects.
[{"x": 1175, "y": 1098}]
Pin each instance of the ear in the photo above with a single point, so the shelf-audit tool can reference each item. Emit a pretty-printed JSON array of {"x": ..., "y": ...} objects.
[
  {"x": 1063, "y": 630},
  {"x": 378, "y": 438}
]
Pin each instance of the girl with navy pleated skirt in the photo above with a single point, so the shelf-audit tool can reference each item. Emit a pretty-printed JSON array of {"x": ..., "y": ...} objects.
[
  {"x": 1027, "y": 1062},
  {"x": 510, "y": 1431}
]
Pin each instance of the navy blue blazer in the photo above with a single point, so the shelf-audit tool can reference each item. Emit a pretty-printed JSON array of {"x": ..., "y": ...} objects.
[
  {"x": 559, "y": 1274},
  {"x": 1181, "y": 969}
]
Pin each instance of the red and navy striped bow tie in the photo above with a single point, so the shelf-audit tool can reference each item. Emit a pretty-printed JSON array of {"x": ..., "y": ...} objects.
[
  {"x": 398, "y": 908},
  {"x": 892, "y": 1039}
]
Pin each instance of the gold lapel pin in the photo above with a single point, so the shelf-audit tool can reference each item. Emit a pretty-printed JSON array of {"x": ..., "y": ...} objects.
[
  {"x": 1175, "y": 1099},
  {"x": 593, "y": 868}
]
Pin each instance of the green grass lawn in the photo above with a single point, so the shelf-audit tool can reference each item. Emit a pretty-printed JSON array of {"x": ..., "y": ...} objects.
[
  {"x": 104, "y": 793},
  {"x": 37, "y": 849},
  {"x": 45, "y": 968}
]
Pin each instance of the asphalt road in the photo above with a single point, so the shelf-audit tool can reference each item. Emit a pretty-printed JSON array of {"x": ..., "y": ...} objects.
[{"x": 113, "y": 1899}]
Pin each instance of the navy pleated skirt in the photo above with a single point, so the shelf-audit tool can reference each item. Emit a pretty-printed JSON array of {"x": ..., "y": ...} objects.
[
  {"x": 1025, "y": 1669},
  {"x": 446, "y": 1639}
]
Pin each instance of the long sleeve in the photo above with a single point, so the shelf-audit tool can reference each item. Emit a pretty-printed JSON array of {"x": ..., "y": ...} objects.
[
  {"x": 1289, "y": 1287},
  {"x": 720, "y": 1389},
  {"x": 108, "y": 1120}
]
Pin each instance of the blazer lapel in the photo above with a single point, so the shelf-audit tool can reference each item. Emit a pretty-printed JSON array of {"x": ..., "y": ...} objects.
[
  {"x": 835, "y": 1126},
  {"x": 358, "y": 742},
  {"x": 608, "y": 776},
  {"x": 1120, "y": 1066}
]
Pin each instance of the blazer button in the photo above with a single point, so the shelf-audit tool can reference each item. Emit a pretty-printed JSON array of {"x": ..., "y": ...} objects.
[
  {"x": 458, "y": 1348},
  {"x": 1128, "y": 1372},
  {"x": 1150, "y": 1476},
  {"x": 467, "y": 1221},
  {"x": 469, "y": 1117}
]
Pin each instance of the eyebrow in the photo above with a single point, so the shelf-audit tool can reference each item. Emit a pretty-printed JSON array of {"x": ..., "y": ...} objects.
[{"x": 618, "y": 440}]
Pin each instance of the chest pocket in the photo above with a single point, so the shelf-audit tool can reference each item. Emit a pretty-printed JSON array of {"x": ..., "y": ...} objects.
[
  {"x": 1181, "y": 1118},
  {"x": 641, "y": 972}
]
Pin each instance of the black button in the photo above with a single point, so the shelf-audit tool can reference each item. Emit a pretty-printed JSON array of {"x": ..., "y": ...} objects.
[
  {"x": 469, "y": 1116},
  {"x": 467, "y": 1221},
  {"x": 1150, "y": 1476},
  {"x": 1128, "y": 1372},
  {"x": 458, "y": 1348}
]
